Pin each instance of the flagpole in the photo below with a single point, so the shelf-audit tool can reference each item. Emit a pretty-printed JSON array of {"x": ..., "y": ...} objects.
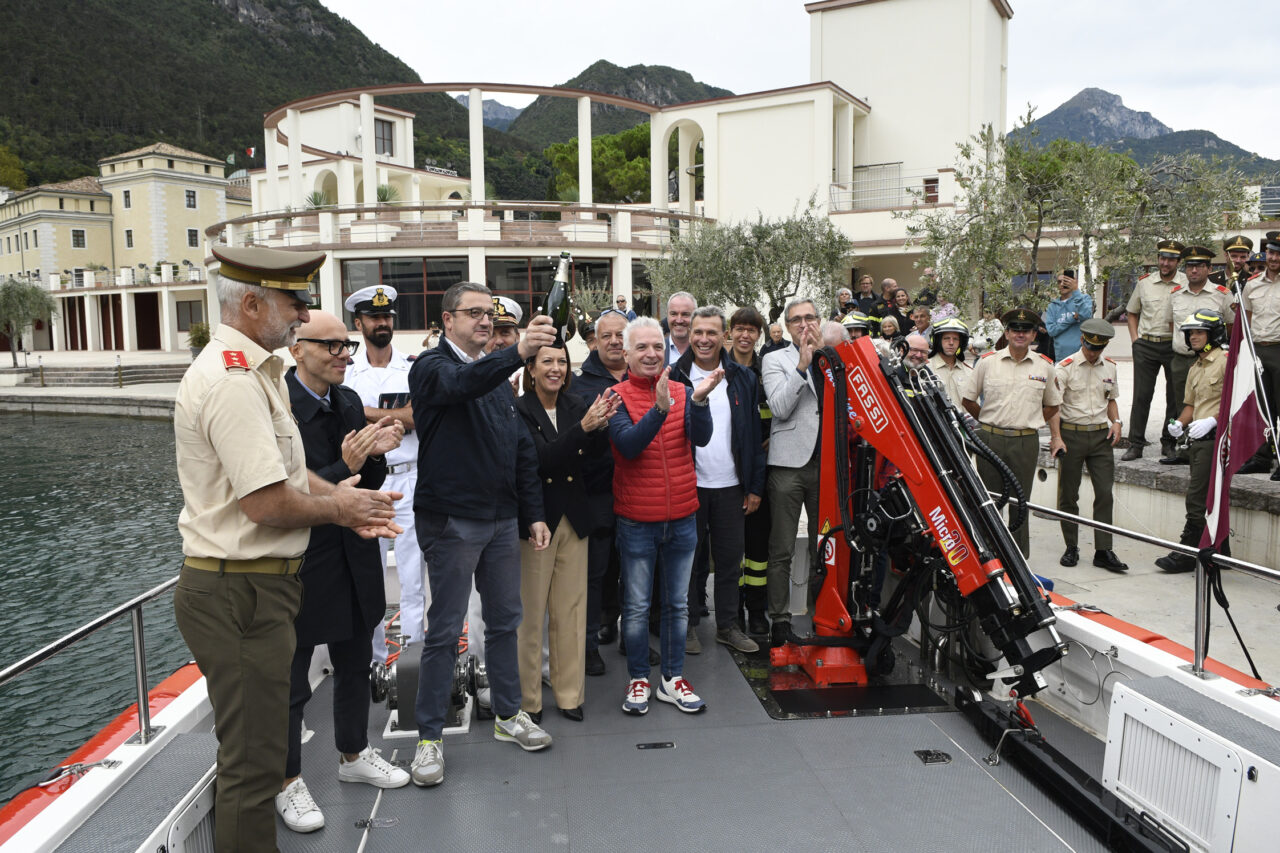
[{"x": 1242, "y": 317}]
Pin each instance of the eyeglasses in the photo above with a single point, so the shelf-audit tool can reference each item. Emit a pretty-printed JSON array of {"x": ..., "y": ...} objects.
[
  {"x": 807, "y": 319},
  {"x": 621, "y": 301},
  {"x": 611, "y": 311},
  {"x": 474, "y": 313},
  {"x": 335, "y": 347}
]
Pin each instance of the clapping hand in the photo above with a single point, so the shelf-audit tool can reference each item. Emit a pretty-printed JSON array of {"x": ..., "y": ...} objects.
[
  {"x": 707, "y": 385},
  {"x": 662, "y": 398},
  {"x": 600, "y": 411}
]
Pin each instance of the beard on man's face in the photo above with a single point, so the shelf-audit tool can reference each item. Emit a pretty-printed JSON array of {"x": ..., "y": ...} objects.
[{"x": 379, "y": 337}]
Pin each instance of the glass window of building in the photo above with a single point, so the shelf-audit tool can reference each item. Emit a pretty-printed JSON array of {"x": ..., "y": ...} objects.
[
  {"x": 420, "y": 284},
  {"x": 384, "y": 137},
  {"x": 77, "y": 238},
  {"x": 126, "y": 198},
  {"x": 191, "y": 199},
  {"x": 128, "y": 238},
  {"x": 193, "y": 238}
]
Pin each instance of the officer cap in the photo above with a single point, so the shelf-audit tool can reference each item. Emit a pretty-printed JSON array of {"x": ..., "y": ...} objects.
[
  {"x": 1272, "y": 241},
  {"x": 1257, "y": 258},
  {"x": 374, "y": 299},
  {"x": 1021, "y": 319},
  {"x": 278, "y": 269},
  {"x": 1170, "y": 248},
  {"x": 506, "y": 311},
  {"x": 1095, "y": 332},
  {"x": 1197, "y": 254},
  {"x": 1239, "y": 241}
]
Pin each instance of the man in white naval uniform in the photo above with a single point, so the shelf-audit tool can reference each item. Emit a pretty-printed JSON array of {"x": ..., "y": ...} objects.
[{"x": 379, "y": 373}]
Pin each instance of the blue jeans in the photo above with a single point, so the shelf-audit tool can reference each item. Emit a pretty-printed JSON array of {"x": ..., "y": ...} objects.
[
  {"x": 639, "y": 545},
  {"x": 456, "y": 549}
]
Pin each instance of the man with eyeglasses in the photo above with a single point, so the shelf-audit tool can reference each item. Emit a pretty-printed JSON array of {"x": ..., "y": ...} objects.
[
  {"x": 478, "y": 492},
  {"x": 792, "y": 393},
  {"x": 341, "y": 573},
  {"x": 1019, "y": 393},
  {"x": 622, "y": 308},
  {"x": 379, "y": 373}
]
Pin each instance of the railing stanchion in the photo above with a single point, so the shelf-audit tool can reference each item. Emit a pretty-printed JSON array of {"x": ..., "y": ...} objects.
[{"x": 140, "y": 676}]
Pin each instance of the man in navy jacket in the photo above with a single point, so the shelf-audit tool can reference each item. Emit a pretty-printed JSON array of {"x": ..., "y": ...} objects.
[
  {"x": 731, "y": 475},
  {"x": 477, "y": 490}
]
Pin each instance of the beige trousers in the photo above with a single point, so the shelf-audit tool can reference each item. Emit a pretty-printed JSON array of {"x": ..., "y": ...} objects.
[{"x": 553, "y": 586}]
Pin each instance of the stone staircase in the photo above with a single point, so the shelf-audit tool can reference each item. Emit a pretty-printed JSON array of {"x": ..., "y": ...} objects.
[{"x": 106, "y": 376}]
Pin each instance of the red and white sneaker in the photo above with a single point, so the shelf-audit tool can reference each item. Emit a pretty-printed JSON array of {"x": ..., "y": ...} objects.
[
  {"x": 637, "y": 698},
  {"x": 677, "y": 692}
]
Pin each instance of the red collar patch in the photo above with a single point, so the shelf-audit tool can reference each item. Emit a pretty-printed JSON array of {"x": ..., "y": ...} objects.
[{"x": 235, "y": 358}]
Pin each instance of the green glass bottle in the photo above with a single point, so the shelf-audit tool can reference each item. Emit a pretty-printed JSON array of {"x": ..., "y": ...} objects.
[{"x": 556, "y": 306}]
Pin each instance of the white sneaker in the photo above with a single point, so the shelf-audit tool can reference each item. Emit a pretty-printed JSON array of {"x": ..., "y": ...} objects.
[
  {"x": 677, "y": 691},
  {"x": 428, "y": 764},
  {"x": 296, "y": 808},
  {"x": 637, "y": 698},
  {"x": 521, "y": 730},
  {"x": 372, "y": 769}
]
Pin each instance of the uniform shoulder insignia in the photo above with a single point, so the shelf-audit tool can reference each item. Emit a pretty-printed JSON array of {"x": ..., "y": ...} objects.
[
  {"x": 1065, "y": 362},
  {"x": 1110, "y": 359},
  {"x": 989, "y": 353},
  {"x": 1176, "y": 288},
  {"x": 1045, "y": 357},
  {"x": 1255, "y": 275},
  {"x": 410, "y": 358},
  {"x": 235, "y": 359},
  {"x": 1222, "y": 289},
  {"x": 1144, "y": 277}
]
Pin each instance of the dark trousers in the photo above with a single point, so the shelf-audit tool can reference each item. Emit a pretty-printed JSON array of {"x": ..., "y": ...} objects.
[
  {"x": 1179, "y": 367},
  {"x": 1201, "y": 453},
  {"x": 458, "y": 550},
  {"x": 720, "y": 541},
  {"x": 350, "y": 660},
  {"x": 789, "y": 490},
  {"x": 602, "y": 584},
  {"x": 1269, "y": 357},
  {"x": 239, "y": 628},
  {"x": 1019, "y": 452},
  {"x": 1092, "y": 449},
  {"x": 1149, "y": 358},
  {"x": 755, "y": 558}
]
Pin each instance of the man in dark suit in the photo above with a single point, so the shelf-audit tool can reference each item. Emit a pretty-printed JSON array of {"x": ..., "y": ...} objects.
[{"x": 341, "y": 572}]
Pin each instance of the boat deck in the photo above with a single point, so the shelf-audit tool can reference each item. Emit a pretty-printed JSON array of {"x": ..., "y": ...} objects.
[{"x": 732, "y": 778}]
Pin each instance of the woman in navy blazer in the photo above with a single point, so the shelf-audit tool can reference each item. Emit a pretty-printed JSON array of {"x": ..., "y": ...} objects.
[{"x": 553, "y": 582}]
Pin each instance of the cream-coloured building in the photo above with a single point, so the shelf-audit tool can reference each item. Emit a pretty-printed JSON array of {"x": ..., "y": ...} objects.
[{"x": 123, "y": 253}]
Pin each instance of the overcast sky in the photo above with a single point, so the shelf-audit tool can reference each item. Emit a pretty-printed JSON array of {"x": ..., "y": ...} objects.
[{"x": 1171, "y": 59}]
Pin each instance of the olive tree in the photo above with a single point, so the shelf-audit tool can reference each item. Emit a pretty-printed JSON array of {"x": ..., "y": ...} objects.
[{"x": 21, "y": 304}]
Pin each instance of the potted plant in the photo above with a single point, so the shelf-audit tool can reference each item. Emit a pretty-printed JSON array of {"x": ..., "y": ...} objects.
[{"x": 197, "y": 338}]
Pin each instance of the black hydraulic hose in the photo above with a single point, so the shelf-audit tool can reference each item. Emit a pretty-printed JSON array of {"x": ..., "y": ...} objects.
[{"x": 1011, "y": 485}]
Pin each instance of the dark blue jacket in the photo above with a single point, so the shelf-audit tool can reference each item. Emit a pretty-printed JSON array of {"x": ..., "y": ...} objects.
[
  {"x": 594, "y": 380},
  {"x": 475, "y": 458},
  {"x": 746, "y": 442}
]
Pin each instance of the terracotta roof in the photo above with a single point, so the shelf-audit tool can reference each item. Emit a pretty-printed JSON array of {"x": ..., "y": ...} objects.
[
  {"x": 77, "y": 185},
  {"x": 164, "y": 149},
  {"x": 242, "y": 193}
]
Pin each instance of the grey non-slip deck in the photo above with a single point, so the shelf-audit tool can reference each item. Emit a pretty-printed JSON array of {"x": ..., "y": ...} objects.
[{"x": 733, "y": 780}]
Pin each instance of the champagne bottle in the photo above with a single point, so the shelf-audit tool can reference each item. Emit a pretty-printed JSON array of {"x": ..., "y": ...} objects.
[{"x": 556, "y": 305}]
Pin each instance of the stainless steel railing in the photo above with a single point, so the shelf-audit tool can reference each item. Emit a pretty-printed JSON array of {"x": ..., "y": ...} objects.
[{"x": 132, "y": 608}]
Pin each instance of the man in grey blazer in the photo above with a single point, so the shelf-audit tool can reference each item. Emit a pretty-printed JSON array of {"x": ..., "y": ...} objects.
[{"x": 793, "y": 454}]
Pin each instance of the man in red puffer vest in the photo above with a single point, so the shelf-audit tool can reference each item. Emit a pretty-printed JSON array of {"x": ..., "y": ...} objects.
[{"x": 655, "y": 499}]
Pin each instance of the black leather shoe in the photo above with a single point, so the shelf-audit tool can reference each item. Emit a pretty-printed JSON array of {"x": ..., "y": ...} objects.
[
  {"x": 1275, "y": 476},
  {"x": 1070, "y": 557},
  {"x": 1168, "y": 447},
  {"x": 1177, "y": 564},
  {"x": 595, "y": 663},
  {"x": 779, "y": 633},
  {"x": 574, "y": 714},
  {"x": 757, "y": 624},
  {"x": 1109, "y": 561},
  {"x": 608, "y": 632},
  {"x": 1255, "y": 465},
  {"x": 1134, "y": 452},
  {"x": 1174, "y": 460}
]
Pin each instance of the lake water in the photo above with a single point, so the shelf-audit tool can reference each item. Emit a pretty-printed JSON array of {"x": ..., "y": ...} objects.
[{"x": 88, "y": 520}]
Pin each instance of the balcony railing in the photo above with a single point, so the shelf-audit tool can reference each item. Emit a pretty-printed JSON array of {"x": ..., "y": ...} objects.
[
  {"x": 399, "y": 224},
  {"x": 884, "y": 186}
]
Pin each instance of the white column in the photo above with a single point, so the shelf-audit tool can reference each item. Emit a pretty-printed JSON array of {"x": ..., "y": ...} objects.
[
  {"x": 475, "y": 264},
  {"x": 710, "y": 172},
  {"x": 584, "y": 150},
  {"x": 684, "y": 160},
  {"x": 330, "y": 290},
  {"x": 170, "y": 340},
  {"x": 622, "y": 283},
  {"x": 657, "y": 162},
  {"x": 368, "y": 160},
  {"x": 128, "y": 323},
  {"x": 475, "y": 138},
  {"x": 293, "y": 128},
  {"x": 58, "y": 326},
  {"x": 271, "y": 153},
  {"x": 823, "y": 148},
  {"x": 92, "y": 324}
]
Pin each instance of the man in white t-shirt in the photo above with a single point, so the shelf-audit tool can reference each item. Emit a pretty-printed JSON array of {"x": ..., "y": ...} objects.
[
  {"x": 731, "y": 475},
  {"x": 379, "y": 373}
]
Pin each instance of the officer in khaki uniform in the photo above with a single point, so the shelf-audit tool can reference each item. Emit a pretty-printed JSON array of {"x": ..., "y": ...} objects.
[
  {"x": 1090, "y": 424},
  {"x": 950, "y": 343},
  {"x": 1205, "y": 333},
  {"x": 1184, "y": 300},
  {"x": 1019, "y": 393},
  {"x": 1151, "y": 330},
  {"x": 1238, "y": 249},
  {"x": 248, "y": 506},
  {"x": 1262, "y": 305}
]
